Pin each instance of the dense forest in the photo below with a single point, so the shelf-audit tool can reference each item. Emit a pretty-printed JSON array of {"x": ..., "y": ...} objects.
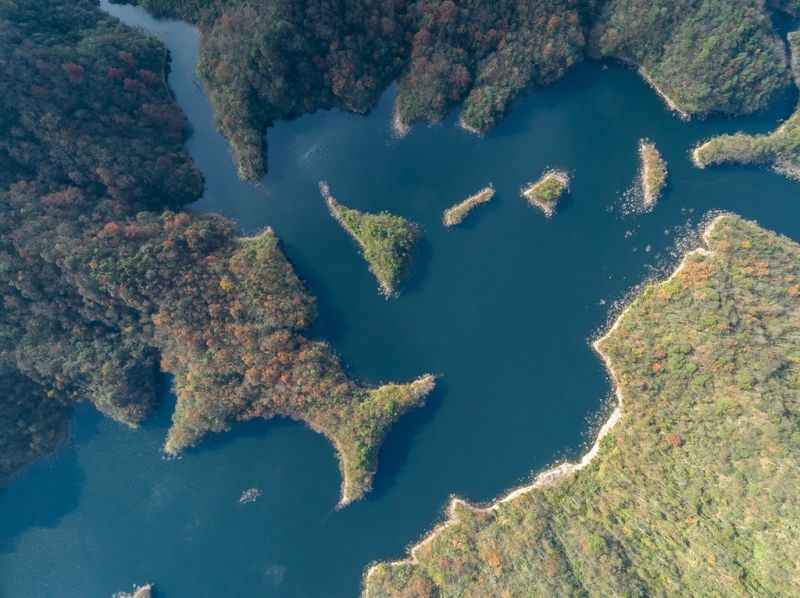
[
  {"x": 779, "y": 150},
  {"x": 275, "y": 59},
  {"x": 104, "y": 281},
  {"x": 693, "y": 491},
  {"x": 386, "y": 240}
]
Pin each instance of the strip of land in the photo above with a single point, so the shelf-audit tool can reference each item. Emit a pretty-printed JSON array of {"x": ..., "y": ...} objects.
[
  {"x": 653, "y": 173},
  {"x": 457, "y": 213},
  {"x": 778, "y": 150}
]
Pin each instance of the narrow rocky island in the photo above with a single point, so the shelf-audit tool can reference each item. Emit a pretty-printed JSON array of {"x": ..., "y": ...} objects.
[
  {"x": 387, "y": 241},
  {"x": 145, "y": 591},
  {"x": 778, "y": 150},
  {"x": 456, "y": 214},
  {"x": 685, "y": 492},
  {"x": 545, "y": 193},
  {"x": 653, "y": 173}
]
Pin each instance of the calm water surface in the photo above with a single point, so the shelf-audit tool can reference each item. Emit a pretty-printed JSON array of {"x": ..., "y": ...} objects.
[{"x": 502, "y": 307}]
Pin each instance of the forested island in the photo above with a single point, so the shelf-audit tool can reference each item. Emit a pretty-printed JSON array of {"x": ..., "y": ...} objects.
[
  {"x": 690, "y": 487},
  {"x": 262, "y": 62},
  {"x": 652, "y": 172},
  {"x": 779, "y": 150},
  {"x": 105, "y": 280},
  {"x": 386, "y": 241}
]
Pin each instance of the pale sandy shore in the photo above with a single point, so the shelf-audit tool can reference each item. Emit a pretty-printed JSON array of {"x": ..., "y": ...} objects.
[
  {"x": 399, "y": 128},
  {"x": 144, "y": 591},
  {"x": 554, "y": 474},
  {"x": 667, "y": 100},
  {"x": 267, "y": 231},
  {"x": 696, "y": 155},
  {"x": 468, "y": 128}
]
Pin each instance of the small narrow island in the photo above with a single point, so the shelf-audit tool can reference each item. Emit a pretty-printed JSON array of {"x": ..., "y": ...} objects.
[
  {"x": 145, "y": 591},
  {"x": 653, "y": 173},
  {"x": 387, "y": 241},
  {"x": 545, "y": 193},
  {"x": 457, "y": 213}
]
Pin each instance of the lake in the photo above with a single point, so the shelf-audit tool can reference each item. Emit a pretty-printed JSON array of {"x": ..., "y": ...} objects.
[{"x": 503, "y": 307}]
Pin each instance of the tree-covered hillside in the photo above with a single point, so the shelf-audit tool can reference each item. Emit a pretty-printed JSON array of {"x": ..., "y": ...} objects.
[
  {"x": 705, "y": 55},
  {"x": 275, "y": 59},
  {"x": 693, "y": 491},
  {"x": 779, "y": 150},
  {"x": 103, "y": 281}
]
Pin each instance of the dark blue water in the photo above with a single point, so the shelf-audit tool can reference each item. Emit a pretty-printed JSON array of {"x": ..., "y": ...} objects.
[{"x": 502, "y": 307}]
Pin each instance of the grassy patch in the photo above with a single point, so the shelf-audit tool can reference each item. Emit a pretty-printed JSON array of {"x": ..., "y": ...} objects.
[
  {"x": 545, "y": 193},
  {"x": 457, "y": 213}
]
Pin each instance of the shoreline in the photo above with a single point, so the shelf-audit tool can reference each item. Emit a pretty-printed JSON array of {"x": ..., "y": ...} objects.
[
  {"x": 671, "y": 104},
  {"x": 255, "y": 237},
  {"x": 558, "y": 472},
  {"x": 695, "y": 155}
]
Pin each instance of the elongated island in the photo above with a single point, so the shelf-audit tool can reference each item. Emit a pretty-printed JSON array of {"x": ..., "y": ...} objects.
[
  {"x": 689, "y": 489},
  {"x": 457, "y": 213},
  {"x": 652, "y": 173}
]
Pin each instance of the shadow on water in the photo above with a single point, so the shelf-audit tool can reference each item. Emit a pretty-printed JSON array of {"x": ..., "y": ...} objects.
[
  {"x": 51, "y": 487},
  {"x": 254, "y": 428},
  {"x": 394, "y": 451},
  {"x": 329, "y": 323},
  {"x": 423, "y": 252}
]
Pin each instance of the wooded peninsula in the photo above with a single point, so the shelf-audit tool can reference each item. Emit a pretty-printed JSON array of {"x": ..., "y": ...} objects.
[{"x": 105, "y": 280}]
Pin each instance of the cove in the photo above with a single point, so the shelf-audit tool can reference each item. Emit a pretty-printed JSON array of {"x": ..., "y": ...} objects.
[{"x": 502, "y": 307}]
